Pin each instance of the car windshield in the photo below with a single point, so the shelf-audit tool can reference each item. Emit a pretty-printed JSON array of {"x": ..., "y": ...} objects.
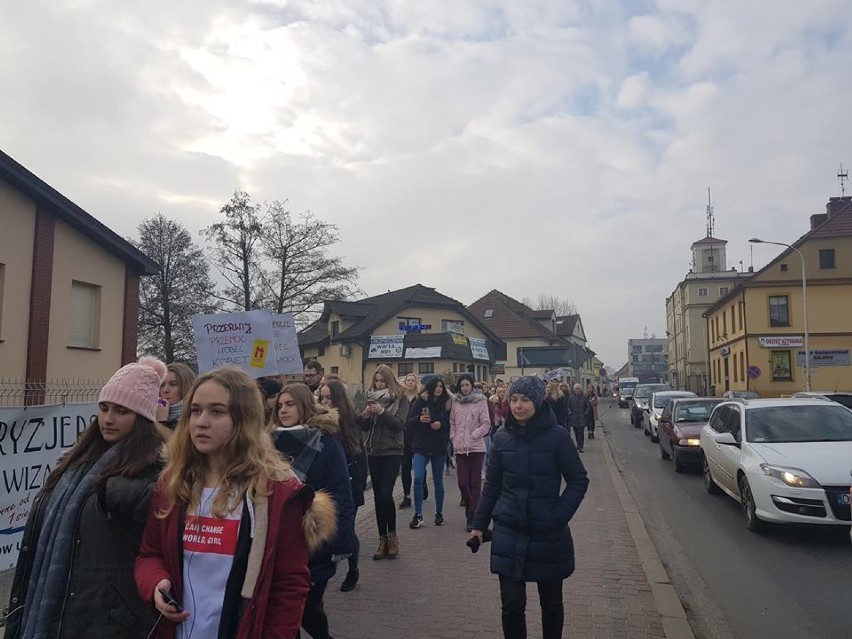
[
  {"x": 816, "y": 423},
  {"x": 744, "y": 394},
  {"x": 627, "y": 392},
  {"x": 646, "y": 391},
  {"x": 843, "y": 400},
  {"x": 694, "y": 412},
  {"x": 661, "y": 401},
  {"x": 628, "y": 385}
]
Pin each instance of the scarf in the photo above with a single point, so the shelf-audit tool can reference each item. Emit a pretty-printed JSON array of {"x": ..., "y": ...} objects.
[
  {"x": 175, "y": 411},
  {"x": 474, "y": 397},
  {"x": 52, "y": 559},
  {"x": 384, "y": 398},
  {"x": 302, "y": 444}
]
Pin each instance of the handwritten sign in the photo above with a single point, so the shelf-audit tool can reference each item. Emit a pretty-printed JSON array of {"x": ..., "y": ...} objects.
[
  {"x": 242, "y": 339},
  {"x": 478, "y": 348},
  {"x": 32, "y": 440},
  {"x": 286, "y": 345},
  {"x": 385, "y": 346},
  {"x": 556, "y": 373}
]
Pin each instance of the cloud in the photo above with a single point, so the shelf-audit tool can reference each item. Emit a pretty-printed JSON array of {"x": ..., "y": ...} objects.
[{"x": 535, "y": 147}]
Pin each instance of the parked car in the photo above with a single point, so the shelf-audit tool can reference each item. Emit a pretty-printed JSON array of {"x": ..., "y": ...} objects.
[
  {"x": 841, "y": 397},
  {"x": 784, "y": 460},
  {"x": 639, "y": 401},
  {"x": 624, "y": 395},
  {"x": 733, "y": 394},
  {"x": 680, "y": 430},
  {"x": 656, "y": 405}
]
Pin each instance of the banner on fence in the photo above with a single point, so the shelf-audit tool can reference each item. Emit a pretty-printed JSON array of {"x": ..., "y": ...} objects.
[{"x": 32, "y": 440}]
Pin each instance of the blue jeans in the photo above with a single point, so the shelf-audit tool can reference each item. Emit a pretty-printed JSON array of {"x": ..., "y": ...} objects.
[{"x": 420, "y": 480}]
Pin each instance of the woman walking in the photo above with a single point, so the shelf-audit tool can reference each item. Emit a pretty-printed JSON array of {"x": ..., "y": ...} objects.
[
  {"x": 429, "y": 421},
  {"x": 383, "y": 420},
  {"x": 470, "y": 424},
  {"x": 594, "y": 400},
  {"x": 411, "y": 384},
  {"x": 225, "y": 550},
  {"x": 74, "y": 576},
  {"x": 309, "y": 434},
  {"x": 334, "y": 395},
  {"x": 558, "y": 403},
  {"x": 530, "y": 457}
]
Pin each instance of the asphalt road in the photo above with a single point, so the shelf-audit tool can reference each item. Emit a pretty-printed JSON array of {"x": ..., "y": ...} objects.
[{"x": 787, "y": 582}]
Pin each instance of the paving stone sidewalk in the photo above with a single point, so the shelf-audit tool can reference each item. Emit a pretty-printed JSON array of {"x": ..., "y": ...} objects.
[{"x": 438, "y": 589}]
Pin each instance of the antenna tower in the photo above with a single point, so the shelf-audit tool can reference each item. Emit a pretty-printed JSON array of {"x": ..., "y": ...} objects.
[
  {"x": 711, "y": 220},
  {"x": 843, "y": 176}
]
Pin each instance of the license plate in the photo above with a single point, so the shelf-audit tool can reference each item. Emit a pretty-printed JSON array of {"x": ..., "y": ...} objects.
[{"x": 843, "y": 499}]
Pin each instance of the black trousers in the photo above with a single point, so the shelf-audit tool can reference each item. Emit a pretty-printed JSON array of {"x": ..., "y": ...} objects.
[
  {"x": 579, "y": 434},
  {"x": 405, "y": 471},
  {"x": 513, "y": 597},
  {"x": 383, "y": 474},
  {"x": 314, "y": 619},
  {"x": 353, "y": 558}
]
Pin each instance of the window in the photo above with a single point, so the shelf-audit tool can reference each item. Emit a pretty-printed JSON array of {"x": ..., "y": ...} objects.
[
  {"x": 733, "y": 423},
  {"x": 637, "y": 349},
  {"x": 85, "y": 315},
  {"x": 404, "y": 368},
  {"x": 335, "y": 328},
  {"x": 783, "y": 267},
  {"x": 733, "y": 317},
  {"x": 723, "y": 290},
  {"x": 424, "y": 368},
  {"x": 780, "y": 362},
  {"x": 2, "y": 282},
  {"x": 736, "y": 369},
  {"x": 742, "y": 366},
  {"x": 335, "y": 370},
  {"x": 718, "y": 332},
  {"x": 778, "y": 311},
  {"x": 826, "y": 258},
  {"x": 320, "y": 351},
  {"x": 724, "y": 323},
  {"x": 702, "y": 292},
  {"x": 710, "y": 259},
  {"x": 407, "y": 321},
  {"x": 489, "y": 313},
  {"x": 742, "y": 312}
]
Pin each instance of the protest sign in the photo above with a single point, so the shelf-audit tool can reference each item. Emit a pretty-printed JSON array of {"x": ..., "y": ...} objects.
[
  {"x": 32, "y": 439},
  {"x": 382, "y": 346},
  {"x": 243, "y": 339},
  {"x": 556, "y": 373},
  {"x": 478, "y": 348},
  {"x": 286, "y": 345}
]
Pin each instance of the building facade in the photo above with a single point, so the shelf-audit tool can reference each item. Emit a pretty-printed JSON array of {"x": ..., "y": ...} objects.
[
  {"x": 686, "y": 329},
  {"x": 69, "y": 288},
  {"x": 756, "y": 332},
  {"x": 648, "y": 359}
]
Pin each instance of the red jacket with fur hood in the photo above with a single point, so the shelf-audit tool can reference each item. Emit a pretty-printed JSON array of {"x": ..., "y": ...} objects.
[{"x": 277, "y": 577}]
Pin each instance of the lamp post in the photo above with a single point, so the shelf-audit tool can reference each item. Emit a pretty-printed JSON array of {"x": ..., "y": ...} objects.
[{"x": 807, "y": 368}]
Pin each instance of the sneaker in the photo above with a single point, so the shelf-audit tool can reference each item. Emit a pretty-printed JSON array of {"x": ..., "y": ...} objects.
[
  {"x": 416, "y": 521},
  {"x": 405, "y": 503},
  {"x": 439, "y": 519}
]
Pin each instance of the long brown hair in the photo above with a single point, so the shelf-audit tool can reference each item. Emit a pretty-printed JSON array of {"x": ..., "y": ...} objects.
[
  {"x": 139, "y": 451},
  {"x": 250, "y": 460},
  {"x": 395, "y": 389},
  {"x": 350, "y": 433},
  {"x": 184, "y": 376},
  {"x": 304, "y": 400}
]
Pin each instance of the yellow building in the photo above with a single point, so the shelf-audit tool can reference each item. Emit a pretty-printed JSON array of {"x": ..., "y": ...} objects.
[
  {"x": 413, "y": 330},
  {"x": 756, "y": 332},
  {"x": 69, "y": 290}
]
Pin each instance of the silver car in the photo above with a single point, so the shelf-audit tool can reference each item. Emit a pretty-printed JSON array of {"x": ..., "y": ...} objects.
[{"x": 656, "y": 404}]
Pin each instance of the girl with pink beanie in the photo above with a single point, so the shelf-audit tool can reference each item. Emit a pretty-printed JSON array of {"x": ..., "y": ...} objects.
[{"x": 74, "y": 576}]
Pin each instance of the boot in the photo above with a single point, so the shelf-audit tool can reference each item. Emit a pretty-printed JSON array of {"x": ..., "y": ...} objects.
[
  {"x": 382, "y": 550},
  {"x": 393, "y": 546},
  {"x": 350, "y": 581},
  {"x": 469, "y": 518}
]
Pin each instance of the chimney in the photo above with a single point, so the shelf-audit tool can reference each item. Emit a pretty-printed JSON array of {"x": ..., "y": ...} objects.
[
  {"x": 818, "y": 218},
  {"x": 838, "y": 205}
]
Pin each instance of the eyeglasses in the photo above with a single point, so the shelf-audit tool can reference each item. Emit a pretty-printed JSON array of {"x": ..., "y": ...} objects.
[{"x": 312, "y": 375}]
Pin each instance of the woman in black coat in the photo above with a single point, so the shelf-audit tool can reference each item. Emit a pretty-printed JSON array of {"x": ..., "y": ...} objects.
[{"x": 531, "y": 541}]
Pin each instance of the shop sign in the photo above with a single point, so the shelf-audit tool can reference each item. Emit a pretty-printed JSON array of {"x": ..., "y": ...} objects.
[{"x": 778, "y": 341}]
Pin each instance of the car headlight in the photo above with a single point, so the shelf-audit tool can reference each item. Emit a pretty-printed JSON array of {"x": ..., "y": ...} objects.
[
  {"x": 795, "y": 477},
  {"x": 689, "y": 442}
]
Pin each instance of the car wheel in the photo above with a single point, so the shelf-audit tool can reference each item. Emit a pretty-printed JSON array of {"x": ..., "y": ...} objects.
[
  {"x": 709, "y": 485},
  {"x": 655, "y": 437},
  {"x": 753, "y": 522},
  {"x": 637, "y": 421},
  {"x": 646, "y": 430},
  {"x": 663, "y": 454},
  {"x": 679, "y": 466}
]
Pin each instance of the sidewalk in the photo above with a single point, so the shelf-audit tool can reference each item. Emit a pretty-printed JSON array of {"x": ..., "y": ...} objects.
[{"x": 438, "y": 589}]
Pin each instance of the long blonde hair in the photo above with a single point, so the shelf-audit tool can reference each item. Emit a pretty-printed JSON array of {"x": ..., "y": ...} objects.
[
  {"x": 250, "y": 459},
  {"x": 395, "y": 389}
]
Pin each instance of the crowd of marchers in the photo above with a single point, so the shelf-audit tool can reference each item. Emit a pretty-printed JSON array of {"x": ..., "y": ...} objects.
[{"x": 221, "y": 506}]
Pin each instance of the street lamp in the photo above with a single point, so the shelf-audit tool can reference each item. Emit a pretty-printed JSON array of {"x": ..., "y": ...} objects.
[{"x": 755, "y": 240}]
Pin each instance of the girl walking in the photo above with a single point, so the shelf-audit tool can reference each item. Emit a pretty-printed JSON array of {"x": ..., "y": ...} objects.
[
  {"x": 411, "y": 384},
  {"x": 594, "y": 400},
  {"x": 429, "y": 421},
  {"x": 383, "y": 421},
  {"x": 231, "y": 528},
  {"x": 530, "y": 457},
  {"x": 470, "y": 424},
  {"x": 74, "y": 576},
  {"x": 558, "y": 403}
]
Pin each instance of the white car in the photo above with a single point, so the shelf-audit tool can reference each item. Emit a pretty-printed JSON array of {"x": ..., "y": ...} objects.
[
  {"x": 784, "y": 460},
  {"x": 656, "y": 404}
]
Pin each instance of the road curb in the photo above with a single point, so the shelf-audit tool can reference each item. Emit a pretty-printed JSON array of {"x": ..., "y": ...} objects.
[{"x": 672, "y": 614}]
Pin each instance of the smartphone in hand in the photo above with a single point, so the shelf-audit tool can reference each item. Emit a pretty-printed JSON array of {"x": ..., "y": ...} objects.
[{"x": 171, "y": 601}]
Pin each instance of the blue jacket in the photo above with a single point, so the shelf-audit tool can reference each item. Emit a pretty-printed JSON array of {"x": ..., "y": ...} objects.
[
  {"x": 526, "y": 464},
  {"x": 328, "y": 472}
]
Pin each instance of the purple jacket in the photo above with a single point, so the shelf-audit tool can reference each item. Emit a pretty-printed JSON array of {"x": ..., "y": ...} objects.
[{"x": 469, "y": 424}]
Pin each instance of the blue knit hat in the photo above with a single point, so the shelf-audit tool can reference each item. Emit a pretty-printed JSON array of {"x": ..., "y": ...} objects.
[{"x": 531, "y": 386}]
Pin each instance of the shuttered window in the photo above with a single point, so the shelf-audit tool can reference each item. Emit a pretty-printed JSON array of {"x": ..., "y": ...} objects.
[{"x": 84, "y": 315}]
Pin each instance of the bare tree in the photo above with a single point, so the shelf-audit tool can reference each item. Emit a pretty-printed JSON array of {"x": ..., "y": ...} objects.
[
  {"x": 168, "y": 299},
  {"x": 304, "y": 274},
  {"x": 238, "y": 253},
  {"x": 546, "y": 302}
]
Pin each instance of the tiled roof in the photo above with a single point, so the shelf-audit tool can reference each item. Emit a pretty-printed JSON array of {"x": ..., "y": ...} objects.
[
  {"x": 349, "y": 310},
  {"x": 314, "y": 334},
  {"x": 565, "y": 325},
  {"x": 838, "y": 225},
  {"x": 509, "y": 318}
]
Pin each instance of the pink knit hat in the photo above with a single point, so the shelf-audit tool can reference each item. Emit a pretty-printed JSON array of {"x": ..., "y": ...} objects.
[{"x": 136, "y": 387}]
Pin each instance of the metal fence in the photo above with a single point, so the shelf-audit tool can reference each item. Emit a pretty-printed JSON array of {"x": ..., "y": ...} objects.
[{"x": 22, "y": 392}]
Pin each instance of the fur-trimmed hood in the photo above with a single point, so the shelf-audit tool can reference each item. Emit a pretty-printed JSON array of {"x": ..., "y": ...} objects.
[
  {"x": 326, "y": 420},
  {"x": 320, "y": 521}
]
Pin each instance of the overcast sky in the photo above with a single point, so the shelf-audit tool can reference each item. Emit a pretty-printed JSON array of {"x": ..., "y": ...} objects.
[{"x": 535, "y": 146}]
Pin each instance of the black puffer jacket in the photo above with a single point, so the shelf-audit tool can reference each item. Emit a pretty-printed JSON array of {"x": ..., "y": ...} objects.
[
  {"x": 425, "y": 440},
  {"x": 526, "y": 464},
  {"x": 101, "y": 599}
]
